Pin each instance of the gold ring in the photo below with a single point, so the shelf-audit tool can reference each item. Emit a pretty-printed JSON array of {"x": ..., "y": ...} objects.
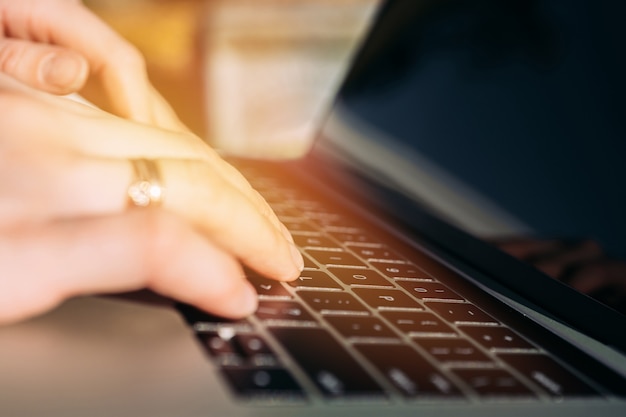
[{"x": 146, "y": 189}]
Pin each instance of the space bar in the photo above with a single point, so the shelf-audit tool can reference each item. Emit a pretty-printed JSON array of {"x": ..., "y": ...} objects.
[{"x": 327, "y": 363}]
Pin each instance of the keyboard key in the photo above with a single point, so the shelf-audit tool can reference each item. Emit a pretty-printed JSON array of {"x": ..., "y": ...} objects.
[
  {"x": 351, "y": 238},
  {"x": 372, "y": 253},
  {"x": 335, "y": 222},
  {"x": 333, "y": 302},
  {"x": 401, "y": 270},
  {"x": 496, "y": 337},
  {"x": 453, "y": 350},
  {"x": 308, "y": 263},
  {"x": 255, "y": 349},
  {"x": 494, "y": 383},
  {"x": 315, "y": 279},
  {"x": 408, "y": 371},
  {"x": 267, "y": 288},
  {"x": 549, "y": 374},
  {"x": 309, "y": 206},
  {"x": 361, "y": 327},
  {"x": 325, "y": 216},
  {"x": 335, "y": 258},
  {"x": 195, "y": 317},
  {"x": 314, "y": 241},
  {"x": 418, "y": 323},
  {"x": 462, "y": 313},
  {"x": 236, "y": 350},
  {"x": 217, "y": 345},
  {"x": 265, "y": 384},
  {"x": 284, "y": 311},
  {"x": 387, "y": 299},
  {"x": 327, "y": 363},
  {"x": 222, "y": 349},
  {"x": 298, "y": 226},
  {"x": 430, "y": 290},
  {"x": 356, "y": 276}
]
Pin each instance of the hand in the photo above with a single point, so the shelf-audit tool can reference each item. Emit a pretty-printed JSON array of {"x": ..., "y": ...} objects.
[
  {"x": 60, "y": 47},
  {"x": 65, "y": 228}
]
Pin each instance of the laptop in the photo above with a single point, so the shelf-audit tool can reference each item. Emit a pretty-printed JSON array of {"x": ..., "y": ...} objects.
[{"x": 459, "y": 124}]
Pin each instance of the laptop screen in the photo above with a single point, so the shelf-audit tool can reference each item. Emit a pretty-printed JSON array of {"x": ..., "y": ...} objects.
[{"x": 506, "y": 118}]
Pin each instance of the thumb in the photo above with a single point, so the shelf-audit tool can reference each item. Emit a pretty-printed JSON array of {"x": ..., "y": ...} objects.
[{"x": 53, "y": 69}]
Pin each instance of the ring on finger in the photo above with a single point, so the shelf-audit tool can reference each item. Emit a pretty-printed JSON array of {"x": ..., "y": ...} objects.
[{"x": 146, "y": 189}]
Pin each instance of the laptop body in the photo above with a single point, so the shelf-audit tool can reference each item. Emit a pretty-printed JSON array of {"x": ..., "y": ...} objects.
[{"x": 106, "y": 356}]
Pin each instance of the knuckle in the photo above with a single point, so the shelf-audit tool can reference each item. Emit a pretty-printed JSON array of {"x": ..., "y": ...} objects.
[
  {"x": 212, "y": 202},
  {"x": 129, "y": 56},
  {"x": 10, "y": 57}
]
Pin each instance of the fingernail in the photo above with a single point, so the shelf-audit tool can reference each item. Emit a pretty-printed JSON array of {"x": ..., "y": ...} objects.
[
  {"x": 63, "y": 71},
  {"x": 297, "y": 257}
]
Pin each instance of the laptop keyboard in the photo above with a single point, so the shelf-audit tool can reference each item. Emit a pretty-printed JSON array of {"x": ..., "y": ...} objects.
[{"x": 364, "y": 322}]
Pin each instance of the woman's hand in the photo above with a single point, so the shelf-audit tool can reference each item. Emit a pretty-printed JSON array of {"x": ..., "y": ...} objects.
[
  {"x": 61, "y": 47},
  {"x": 66, "y": 228}
]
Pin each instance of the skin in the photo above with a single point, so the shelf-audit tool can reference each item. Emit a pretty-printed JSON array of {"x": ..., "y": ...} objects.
[
  {"x": 66, "y": 228},
  {"x": 61, "y": 47}
]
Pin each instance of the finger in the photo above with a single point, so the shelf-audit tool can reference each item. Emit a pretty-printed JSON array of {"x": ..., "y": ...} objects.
[
  {"x": 112, "y": 138},
  {"x": 39, "y": 186},
  {"x": 41, "y": 267},
  {"x": 196, "y": 191},
  {"x": 94, "y": 132},
  {"x": 49, "y": 68},
  {"x": 117, "y": 65},
  {"x": 163, "y": 115}
]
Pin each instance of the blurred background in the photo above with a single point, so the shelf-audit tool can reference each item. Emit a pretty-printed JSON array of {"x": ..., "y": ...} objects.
[{"x": 252, "y": 77}]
